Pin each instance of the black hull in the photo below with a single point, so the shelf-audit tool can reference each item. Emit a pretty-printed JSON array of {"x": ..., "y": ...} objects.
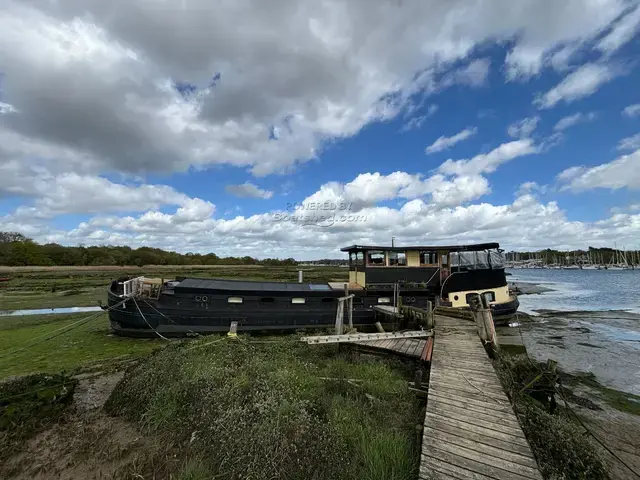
[{"x": 144, "y": 317}]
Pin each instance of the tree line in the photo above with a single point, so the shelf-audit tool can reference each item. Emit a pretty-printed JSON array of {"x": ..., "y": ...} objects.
[{"x": 19, "y": 250}]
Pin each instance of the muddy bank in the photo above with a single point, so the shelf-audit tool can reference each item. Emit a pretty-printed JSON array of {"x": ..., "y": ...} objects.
[
  {"x": 528, "y": 288},
  {"x": 606, "y": 344}
]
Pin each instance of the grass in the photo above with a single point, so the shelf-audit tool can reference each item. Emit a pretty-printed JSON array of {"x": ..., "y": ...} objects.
[
  {"x": 87, "y": 344},
  {"x": 275, "y": 409}
]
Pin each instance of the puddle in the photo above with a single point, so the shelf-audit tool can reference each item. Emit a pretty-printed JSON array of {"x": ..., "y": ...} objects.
[{"x": 45, "y": 311}]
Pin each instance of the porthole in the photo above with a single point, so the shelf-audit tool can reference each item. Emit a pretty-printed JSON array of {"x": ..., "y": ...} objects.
[
  {"x": 234, "y": 300},
  {"x": 384, "y": 300},
  {"x": 205, "y": 298},
  {"x": 267, "y": 300},
  {"x": 456, "y": 297},
  {"x": 298, "y": 300},
  {"x": 198, "y": 298},
  {"x": 413, "y": 299}
]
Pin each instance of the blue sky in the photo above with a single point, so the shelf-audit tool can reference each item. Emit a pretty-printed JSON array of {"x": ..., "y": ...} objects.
[{"x": 448, "y": 122}]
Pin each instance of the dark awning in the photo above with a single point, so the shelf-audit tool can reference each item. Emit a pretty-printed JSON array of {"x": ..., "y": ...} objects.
[{"x": 430, "y": 248}]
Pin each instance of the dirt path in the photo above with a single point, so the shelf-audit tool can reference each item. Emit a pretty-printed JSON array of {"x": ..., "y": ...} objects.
[{"x": 87, "y": 443}]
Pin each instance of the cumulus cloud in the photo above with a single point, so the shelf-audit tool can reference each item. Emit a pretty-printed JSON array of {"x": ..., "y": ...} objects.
[
  {"x": 444, "y": 143},
  {"x": 248, "y": 189},
  {"x": 630, "y": 143},
  {"x": 623, "y": 172},
  {"x": 161, "y": 87},
  {"x": 631, "y": 110},
  {"x": 523, "y": 128},
  {"x": 571, "y": 120},
  {"x": 581, "y": 83},
  {"x": 489, "y": 162}
]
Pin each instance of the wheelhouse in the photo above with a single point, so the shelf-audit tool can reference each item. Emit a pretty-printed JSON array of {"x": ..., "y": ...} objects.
[{"x": 448, "y": 273}]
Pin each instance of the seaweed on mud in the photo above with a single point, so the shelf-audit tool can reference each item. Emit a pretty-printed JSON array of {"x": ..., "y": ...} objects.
[
  {"x": 559, "y": 445},
  {"x": 29, "y": 404}
]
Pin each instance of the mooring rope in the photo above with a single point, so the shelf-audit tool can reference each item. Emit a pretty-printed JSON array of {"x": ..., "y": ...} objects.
[{"x": 147, "y": 322}]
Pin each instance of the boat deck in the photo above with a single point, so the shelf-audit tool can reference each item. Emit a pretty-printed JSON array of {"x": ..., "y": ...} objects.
[{"x": 340, "y": 286}]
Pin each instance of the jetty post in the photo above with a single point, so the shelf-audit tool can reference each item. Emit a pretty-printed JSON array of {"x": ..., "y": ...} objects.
[
  {"x": 299, "y": 276},
  {"x": 481, "y": 312}
]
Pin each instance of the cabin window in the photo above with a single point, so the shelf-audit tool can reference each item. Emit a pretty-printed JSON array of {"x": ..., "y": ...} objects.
[
  {"x": 356, "y": 259},
  {"x": 328, "y": 300},
  {"x": 445, "y": 259},
  {"x": 428, "y": 258},
  {"x": 267, "y": 300},
  {"x": 234, "y": 300},
  {"x": 298, "y": 300},
  {"x": 398, "y": 259},
  {"x": 384, "y": 300},
  {"x": 490, "y": 296},
  {"x": 376, "y": 258}
]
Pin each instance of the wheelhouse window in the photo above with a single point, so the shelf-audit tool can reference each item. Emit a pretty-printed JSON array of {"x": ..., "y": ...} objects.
[
  {"x": 356, "y": 259},
  {"x": 235, "y": 300},
  {"x": 298, "y": 300},
  {"x": 398, "y": 259},
  {"x": 376, "y": 258},
  {"x": 428, "y": 258}
]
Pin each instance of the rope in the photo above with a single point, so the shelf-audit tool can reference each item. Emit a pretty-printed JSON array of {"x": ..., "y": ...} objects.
[
  {"x": 165, "y": 316},
  {"x": 61, "y": 331},
  {"x": 147, "y": 322}
]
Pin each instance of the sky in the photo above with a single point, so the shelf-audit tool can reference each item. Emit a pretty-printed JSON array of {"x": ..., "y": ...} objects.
[{"x": 292, "y": 129}]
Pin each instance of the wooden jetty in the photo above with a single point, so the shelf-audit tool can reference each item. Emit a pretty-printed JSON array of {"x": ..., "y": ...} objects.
[{"x": 470, "y": 429}]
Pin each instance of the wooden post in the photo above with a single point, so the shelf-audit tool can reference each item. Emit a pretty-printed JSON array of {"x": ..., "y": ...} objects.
[
  {"x": 339, "y": 317},
  {"x": 233, "y": 329},
  {"x": 484, "y": 321},
  {"x": 349, "y": 305},
  {"x": 379, "y": 327},
  {"x": 429, "y": 314}
]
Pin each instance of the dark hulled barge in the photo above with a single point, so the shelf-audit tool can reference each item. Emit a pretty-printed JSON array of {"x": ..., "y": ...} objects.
[{"x": 445, "y": 275}]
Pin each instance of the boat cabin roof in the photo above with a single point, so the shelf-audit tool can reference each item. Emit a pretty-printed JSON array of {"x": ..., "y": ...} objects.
[
  {"x": 207, "y": 284},
  {"x": 432, "y": 248}
]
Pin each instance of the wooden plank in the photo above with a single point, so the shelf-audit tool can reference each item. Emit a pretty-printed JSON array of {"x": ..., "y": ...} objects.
[
  {"x": 474, "y": 466},
  {"x": 469, "y": 391},
  {"x": 483, "y": 377},
  {"x": 480, "y": 463},
  {"x": 458, "y": 412},
  {"x": 477, "y": 428},
  {"x": 518, "y": 458},
  {"x": 504, "y": 418},
  {"x": 470, "y": 394},
  {"x": 446, "y": 427},
  {"x": 467, "y": 380},
  {"x": 418, "y": 346},
  {"x": 472, "y": 419},
  {"x": 486, "y": 406},
  {"x": 432, "y": 468}
]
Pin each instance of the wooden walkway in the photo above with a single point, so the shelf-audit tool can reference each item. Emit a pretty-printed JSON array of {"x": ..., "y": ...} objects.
[
  {"x": 411, "y": 347},
  {"x": 470, "y": 429}
]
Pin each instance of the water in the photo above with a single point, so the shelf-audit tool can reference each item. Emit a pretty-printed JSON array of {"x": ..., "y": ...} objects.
[
  {"x": 43, "y": 311},
  {"x": 581, "y": 289},
  {"x": 590, "y": 322}
]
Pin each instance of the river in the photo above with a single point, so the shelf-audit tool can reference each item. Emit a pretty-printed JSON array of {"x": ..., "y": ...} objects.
[{"x": 588, "y": 322}]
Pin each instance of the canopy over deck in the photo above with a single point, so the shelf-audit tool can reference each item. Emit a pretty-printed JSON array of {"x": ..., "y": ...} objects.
[{"x": 430, "y": 248}]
